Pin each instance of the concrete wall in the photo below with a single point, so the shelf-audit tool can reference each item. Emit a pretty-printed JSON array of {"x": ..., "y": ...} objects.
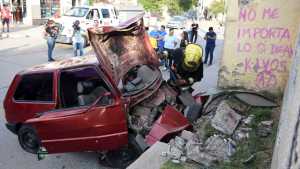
[
  {"x": 259, "y": 44},
  {"x": 287, "y": 148}
]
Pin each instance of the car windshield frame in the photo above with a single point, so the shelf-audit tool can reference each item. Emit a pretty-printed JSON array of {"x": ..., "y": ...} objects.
[{"x": 81, "y": 10}]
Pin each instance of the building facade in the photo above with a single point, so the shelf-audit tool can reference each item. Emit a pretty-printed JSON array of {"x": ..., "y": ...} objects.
[{"x": 35, "y": 12}]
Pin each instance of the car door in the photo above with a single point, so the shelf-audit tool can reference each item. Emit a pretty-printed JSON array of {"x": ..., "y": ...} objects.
[
  {"x": 92, "y": 17},
  {"x": 91, "y": 124}
]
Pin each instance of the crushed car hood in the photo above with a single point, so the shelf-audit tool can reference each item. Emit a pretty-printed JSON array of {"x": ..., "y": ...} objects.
[{"x": 121, "y": 48}]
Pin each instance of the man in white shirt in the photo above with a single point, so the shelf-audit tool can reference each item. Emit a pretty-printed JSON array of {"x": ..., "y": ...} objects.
[{"x": 170, "y": 45}]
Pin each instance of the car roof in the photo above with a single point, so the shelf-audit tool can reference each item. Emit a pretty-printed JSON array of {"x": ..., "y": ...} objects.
[
  {"x": 97, "y": 6},
  {"x": 62, "y": 64}
]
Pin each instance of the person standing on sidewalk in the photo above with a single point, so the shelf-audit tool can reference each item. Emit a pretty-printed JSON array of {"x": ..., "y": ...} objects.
[
  {"x": 170, "y": 45},
  {"x": 210, "y": 38},
  {"x": 161, "y": 40},
  {"x": 194, "y": 34},
  {"x": 51, "y": 33},
  {"x": 78, "y": 40},
  {"x": 5, "y": 16}
]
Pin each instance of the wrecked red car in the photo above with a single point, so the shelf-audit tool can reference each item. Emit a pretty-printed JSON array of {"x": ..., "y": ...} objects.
[{"x": 95, "y": 103}]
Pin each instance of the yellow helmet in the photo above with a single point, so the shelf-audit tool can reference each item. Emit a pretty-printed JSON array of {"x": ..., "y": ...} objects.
[{"x": 192, "y": 57}]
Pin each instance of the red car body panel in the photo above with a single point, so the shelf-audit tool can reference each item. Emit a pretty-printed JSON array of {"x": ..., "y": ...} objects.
[
  {"x": 93, "y": 127},
  {"x": 19, "y": 111},
  {"x": 85, "y": 129},
  {"x": 170, "y": 122}
]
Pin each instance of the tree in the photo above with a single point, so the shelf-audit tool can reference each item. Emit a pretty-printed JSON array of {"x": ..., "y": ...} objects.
[
  {"x": 217, "y": 7},
  {"x": 174, "y": 6},
  {"x": 152, "y": 5}
]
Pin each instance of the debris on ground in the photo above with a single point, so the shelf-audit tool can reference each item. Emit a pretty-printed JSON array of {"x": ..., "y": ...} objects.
[
  {"x": 264, "y": 128},
  {"x": 225, "y": 119},
  {"x": 229, "y": 132},
  {"x": 225, "y": 131},
  {"x": 254, "y": 99}
]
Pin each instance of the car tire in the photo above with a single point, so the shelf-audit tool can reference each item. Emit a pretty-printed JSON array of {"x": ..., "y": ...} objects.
[{"x": 29, "y": 139}]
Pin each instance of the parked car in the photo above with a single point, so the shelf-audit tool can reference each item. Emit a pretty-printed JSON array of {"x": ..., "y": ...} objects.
[
  {"x": 94, "y": 103},
  {"x": 177, "y": 22},
  {"x": 104, "y": 15}
]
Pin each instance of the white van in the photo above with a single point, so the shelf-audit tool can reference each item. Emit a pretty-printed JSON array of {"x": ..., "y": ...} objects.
[{"x": 89, "y": 16}]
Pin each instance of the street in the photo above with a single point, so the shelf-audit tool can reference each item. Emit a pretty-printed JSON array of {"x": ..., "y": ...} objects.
[{"x": 27, "y": 48}]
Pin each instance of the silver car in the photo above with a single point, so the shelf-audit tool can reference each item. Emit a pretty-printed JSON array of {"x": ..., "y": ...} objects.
[{"x": 177, "y": 22}]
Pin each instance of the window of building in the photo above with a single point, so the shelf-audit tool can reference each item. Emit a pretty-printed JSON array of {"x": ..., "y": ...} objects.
[
  {"x": 50, "y": 8},
  {"x": 35, "y": 87}
]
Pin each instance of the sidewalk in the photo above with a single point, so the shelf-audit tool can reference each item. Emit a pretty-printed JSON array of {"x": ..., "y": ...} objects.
[
  {"x": 204, "y": 25},
  {"x": 18, "y": 30}
]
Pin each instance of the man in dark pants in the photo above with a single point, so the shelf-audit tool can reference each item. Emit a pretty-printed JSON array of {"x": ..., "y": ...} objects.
[
  {"x": 210, "y": 38},
  {"x": 194, "y": 34}
]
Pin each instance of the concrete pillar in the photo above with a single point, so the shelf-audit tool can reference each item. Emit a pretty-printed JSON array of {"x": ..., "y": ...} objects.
[
  {"x": 259, "y": 44},
  {"x": 33, "y": 12},
  {"x": 287, "y": 148}
]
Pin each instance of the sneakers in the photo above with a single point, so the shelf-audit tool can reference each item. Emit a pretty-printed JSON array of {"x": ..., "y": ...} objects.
[{"x": 51, "y": 60}]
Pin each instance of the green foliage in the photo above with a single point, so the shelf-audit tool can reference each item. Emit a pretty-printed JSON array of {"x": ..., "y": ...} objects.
[
  {"x": 218, "y": 6},
  {"x": 171, "y": 165},
  {"x": 174, "y": 6},
  {"x": 152, "y": 5},
  {"x": 91, "y": 2}
]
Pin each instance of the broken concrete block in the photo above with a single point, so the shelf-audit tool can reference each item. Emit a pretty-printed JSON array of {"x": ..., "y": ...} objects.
[
  {"x": 267, "y": 123},
  {"x": 240, "y": 135},
  {"x": 187, "y": 135},
  {"x": 179, "y": 143},
  {"x": 249, "y": 119},
  {"x": 226, "y": 119},
  {"x": 198, "y": 156},
  {"x": 219, "y": 147},
  {"x": 191, "y": 144},
  {"x": 175, "y": 153},
  {"x": 264, "y": 128},
  {"x": 193, "y": 112}
]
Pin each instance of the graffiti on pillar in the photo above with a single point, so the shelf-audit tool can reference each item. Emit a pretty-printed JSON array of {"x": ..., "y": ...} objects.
[{"x": 262, "y": 41}]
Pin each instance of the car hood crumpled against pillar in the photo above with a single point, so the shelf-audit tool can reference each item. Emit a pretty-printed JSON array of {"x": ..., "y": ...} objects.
[{"x": 121, "y": 48}]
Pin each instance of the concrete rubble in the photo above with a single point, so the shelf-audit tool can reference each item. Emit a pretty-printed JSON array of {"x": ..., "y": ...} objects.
[
  {"x": 264, "y": 128},
  {"x": 226, "y": 119},
  {"x": 215, "y": 136}
]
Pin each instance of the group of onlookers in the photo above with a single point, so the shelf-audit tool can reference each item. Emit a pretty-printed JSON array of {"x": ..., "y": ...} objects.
[
  {"x": 184, "y": 55},
  {"x": 163, "y": 41},
  {"x": 51, "y": 34}
]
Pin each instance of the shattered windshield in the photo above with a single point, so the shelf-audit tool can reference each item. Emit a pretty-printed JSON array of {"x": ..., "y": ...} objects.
[{"x": 77, "y": 12}]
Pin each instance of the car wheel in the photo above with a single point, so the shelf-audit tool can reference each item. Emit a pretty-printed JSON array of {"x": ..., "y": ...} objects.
[{"x": 28, "y": 139}]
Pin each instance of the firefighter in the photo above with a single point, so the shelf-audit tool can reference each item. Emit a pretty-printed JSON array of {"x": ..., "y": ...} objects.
[{"x": 188, "y": 66}]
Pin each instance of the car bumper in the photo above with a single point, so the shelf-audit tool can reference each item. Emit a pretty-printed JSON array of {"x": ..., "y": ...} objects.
[
  {"x": 64, "y": 39},
  {"x": 12, "y": 127}
]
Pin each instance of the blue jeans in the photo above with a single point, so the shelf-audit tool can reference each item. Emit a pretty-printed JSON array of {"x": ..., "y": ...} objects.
[
  {"x": 209, "y": 50},
  {"x": 51, "y": 45},
  {"x": 78, "y": 46}
]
